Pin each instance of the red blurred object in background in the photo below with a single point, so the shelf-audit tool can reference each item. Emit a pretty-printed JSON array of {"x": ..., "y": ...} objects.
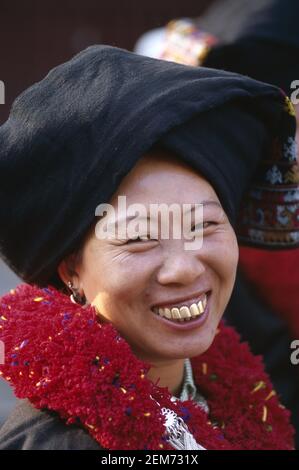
[{"x": 275, "y": 275}]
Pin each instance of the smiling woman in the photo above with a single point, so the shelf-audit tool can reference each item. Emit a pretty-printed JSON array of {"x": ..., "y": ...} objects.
[
  {"x": 137, "y": 356},
  {"x": 125, "y": 281}
]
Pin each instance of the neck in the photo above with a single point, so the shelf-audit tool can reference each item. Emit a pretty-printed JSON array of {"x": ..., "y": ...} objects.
[{"x": 168, "y": 374}]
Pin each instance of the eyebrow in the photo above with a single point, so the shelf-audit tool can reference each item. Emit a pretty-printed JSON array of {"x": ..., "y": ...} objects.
[{"x": 208, "y": 202}]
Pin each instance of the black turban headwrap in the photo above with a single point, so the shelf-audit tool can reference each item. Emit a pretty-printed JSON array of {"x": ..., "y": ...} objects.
[{"x": 71, "y": 138}]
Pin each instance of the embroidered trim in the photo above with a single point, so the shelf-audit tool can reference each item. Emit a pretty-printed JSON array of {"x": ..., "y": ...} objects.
[{"x": 185, "y": 43}]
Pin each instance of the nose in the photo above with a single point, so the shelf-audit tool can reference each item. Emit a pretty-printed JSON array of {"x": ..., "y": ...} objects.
[{"x": 180, "y": 267}]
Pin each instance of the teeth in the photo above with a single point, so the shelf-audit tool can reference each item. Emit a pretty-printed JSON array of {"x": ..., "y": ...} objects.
[
  {"x": 194, "y": 310},
  {"x": 200, "y": 307},
  {"x": 184, "y": 313},
  {"x": 161, "y": 312},
  {"x": 175, "y": 313},
  {"x": 167, "y": 313}
]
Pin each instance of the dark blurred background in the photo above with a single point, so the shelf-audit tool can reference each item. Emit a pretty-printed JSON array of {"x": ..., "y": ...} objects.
[{"x": 38, "y": 35}]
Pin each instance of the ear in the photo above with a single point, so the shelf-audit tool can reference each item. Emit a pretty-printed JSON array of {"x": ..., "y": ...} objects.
[
  {"x": 66, "y": 269},
  {"x": 63, "y": 272}
]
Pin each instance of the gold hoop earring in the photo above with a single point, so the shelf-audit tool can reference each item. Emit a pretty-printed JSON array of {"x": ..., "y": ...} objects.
[{"x": 75, "y": 296}]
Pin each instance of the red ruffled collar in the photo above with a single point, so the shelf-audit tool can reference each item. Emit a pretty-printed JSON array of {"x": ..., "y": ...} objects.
[{"x": 60, "y": 357}]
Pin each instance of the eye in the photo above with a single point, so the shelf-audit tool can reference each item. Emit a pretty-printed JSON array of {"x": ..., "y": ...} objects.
[
  {"x": 144, "y": 238},
  {"x": 202, "y": 226}
]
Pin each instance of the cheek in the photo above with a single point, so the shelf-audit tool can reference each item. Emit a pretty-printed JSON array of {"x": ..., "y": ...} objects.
[
  {"x": 115, "y": 277},
  {"x": 223, "y": 253},
  {"x": 230, "y": 263},
  {"x": 231, "y": 255}
]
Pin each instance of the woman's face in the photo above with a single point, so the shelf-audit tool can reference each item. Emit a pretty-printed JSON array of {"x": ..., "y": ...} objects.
[{"x": 127, "y": 278}]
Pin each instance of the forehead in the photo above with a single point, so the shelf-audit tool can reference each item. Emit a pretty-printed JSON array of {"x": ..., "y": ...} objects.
[{"x": 163, "y": 176}]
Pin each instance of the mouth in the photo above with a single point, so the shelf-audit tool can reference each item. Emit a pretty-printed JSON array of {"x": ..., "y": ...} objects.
[{"x": 190, "y": 311}]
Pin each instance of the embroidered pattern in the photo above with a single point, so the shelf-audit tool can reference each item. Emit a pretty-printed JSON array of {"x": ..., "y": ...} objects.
[
  {"x": 269, "y": 214},
  {"x": 185, "y": 43}
]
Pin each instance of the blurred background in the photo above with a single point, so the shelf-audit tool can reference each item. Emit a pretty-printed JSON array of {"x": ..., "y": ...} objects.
[{"x": 38, "y": 35}]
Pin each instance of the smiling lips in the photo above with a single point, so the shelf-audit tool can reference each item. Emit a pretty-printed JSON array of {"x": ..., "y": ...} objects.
[{"x": 190, "y": 310}]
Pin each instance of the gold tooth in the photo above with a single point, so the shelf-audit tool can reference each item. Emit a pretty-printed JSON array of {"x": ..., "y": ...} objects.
[
  {"x": 185, "y": 312},
  {"x": 175, "y": 313},
  {"x": 161, "y": 312},
  {"x": 194, "y": 310},
  {"x": 167, "y": 313},
  {"x": 200, "y": 307}
]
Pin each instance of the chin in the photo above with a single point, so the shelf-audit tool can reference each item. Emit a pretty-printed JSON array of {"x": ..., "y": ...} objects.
[
  {"x": 186, "y": 351},
  {"x": 202, "y": 343}
]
